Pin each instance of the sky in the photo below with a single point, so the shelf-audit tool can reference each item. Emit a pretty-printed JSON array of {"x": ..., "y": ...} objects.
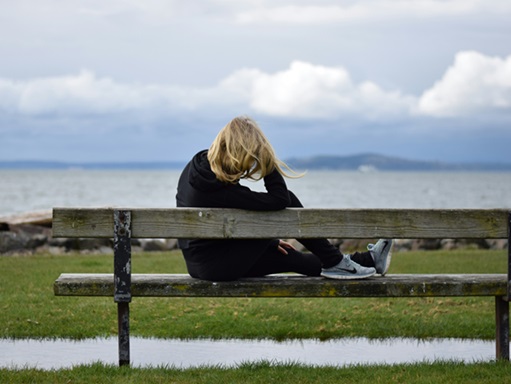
[{"x": 155, "y": 80}]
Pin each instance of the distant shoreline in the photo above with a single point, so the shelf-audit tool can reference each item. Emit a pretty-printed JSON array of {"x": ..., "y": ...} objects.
[
  {"x": 362, "y": 163},
  {"x": 41, "y": 165}
]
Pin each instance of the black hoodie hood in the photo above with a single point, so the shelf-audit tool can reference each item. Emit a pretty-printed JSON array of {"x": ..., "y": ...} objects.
[
  {"x": 200, "y": 175},
  {"x": 199, "y": 187}
]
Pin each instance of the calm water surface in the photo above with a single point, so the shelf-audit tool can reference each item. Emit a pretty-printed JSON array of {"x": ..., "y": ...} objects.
[
  {"x": 55, "y": 354},
  {"x": 25, "y": 191}
]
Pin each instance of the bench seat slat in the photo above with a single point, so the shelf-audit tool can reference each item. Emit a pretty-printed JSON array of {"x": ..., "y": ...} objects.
[{"x": 181, "y": 285}]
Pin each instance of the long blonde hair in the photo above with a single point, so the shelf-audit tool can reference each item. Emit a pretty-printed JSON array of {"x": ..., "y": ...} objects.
[{"x": 242, "y": 151}]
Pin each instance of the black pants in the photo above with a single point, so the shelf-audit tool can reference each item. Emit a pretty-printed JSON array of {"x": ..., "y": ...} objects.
[{"x": 225, "y": 260}]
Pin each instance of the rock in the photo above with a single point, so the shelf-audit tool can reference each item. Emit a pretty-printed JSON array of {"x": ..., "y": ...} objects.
[
  {"x": 41, "y": 218},
  {"x": 30, "y": 230},
  {"x": 37, "y": 241},
  {"x": 152, "y": 245},
  {"x": 22, "y": 238},
  {"x": 158, "y": 245},
  {"x": 81, "y": 244},
  {"x": 448, "y": 244},
  {"x": 428, "y": 244},
  {"x": 54, "y": 250},
  {"x": 497, "y": 243},
  {"x": 24, "y": 233},
  {"x": 12, "y": 242}
]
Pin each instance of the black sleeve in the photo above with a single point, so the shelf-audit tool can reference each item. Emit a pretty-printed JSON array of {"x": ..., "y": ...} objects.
[{"x": 276, "y": 196}]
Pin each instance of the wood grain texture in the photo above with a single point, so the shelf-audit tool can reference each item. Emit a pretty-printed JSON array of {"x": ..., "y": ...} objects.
[
  {"x": 180, "y": 285},
  {"x": 289, "y": 223}
]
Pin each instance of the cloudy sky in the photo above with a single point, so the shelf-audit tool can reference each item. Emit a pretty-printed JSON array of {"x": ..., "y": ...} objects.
[{"x": 154, "y": 80}]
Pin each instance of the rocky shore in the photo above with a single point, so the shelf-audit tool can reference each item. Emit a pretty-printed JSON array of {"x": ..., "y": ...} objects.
[{"x": 31, "y": 233}]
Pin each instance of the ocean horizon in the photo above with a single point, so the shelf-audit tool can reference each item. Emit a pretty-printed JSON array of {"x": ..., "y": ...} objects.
[{"x": 357, "y": 162}]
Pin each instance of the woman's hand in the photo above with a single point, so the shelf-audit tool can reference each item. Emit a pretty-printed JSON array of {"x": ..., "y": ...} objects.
[{"x": 284, "y": 246}]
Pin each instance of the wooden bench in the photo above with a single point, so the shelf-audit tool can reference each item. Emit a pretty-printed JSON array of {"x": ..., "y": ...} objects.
[{"x": 126, "y": 224}]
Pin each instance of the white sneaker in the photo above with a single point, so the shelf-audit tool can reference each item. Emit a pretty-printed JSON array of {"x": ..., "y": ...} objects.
[
  {"x": 381, "y": 253},
  {"x": 347, "y": 269}
]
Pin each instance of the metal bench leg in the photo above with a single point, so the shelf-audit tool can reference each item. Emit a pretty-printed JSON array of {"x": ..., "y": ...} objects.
[
  {"x": 502, "y": 327},
  {"x": 122, "y": 281},
  {"x": 123, "y": 320}
]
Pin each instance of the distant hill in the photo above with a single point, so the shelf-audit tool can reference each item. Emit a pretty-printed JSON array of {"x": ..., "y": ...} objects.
[
  {"x": 372, "y": 162},
  {"x": 361, "y": 162}
]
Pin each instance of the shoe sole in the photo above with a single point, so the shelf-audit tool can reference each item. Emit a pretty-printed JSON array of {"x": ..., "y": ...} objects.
[
  {"x": 345, "y": 277},
  {"x": 387, "y": 264},
  {"x": 387, "y": 261}
]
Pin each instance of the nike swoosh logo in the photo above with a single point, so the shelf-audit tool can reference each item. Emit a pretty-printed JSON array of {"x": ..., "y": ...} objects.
[
  {"x": 385, "y": 246},
  {"x": 349, "y": 270}
]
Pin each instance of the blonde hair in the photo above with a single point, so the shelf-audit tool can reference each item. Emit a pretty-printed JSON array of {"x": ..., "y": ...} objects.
[{"x": 242, "y": 151}]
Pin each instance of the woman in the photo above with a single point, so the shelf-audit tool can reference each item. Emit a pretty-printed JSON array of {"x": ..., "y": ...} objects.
[{"x": 211, "y": 180}]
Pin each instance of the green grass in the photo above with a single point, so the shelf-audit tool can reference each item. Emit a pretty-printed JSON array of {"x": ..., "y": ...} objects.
[
  {"x": 264, "y": 372},
  {"x": 28, "y": 309}
]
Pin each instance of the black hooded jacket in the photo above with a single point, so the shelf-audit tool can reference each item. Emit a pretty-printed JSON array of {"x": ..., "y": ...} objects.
[
  {"x": 220, "y": 259},
  {"x": 199, "y": 187}
]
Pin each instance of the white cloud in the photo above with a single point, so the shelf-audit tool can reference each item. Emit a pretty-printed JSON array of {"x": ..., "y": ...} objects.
[
  {"x": 313, "y": 91},
  {"x": 475, "y": 83},
  {"x": 83, "y": 93},
  {"x": 87, "y": 94}
]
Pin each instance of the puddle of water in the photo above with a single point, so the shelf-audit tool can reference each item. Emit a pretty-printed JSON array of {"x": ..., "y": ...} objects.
[{"x": 56, "y": 354}]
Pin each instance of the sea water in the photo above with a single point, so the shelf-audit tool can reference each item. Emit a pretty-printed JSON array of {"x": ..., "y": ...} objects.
[{"x": 36, "y": 190}]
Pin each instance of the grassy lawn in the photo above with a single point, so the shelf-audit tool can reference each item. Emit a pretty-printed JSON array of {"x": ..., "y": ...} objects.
[
  {"x": 30, "y": 310},
  {"x": 264, "y": 373}
]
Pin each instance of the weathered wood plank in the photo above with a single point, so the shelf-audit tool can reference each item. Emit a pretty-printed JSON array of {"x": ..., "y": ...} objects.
[
  {"x": 83, "y": 222},
  {"x": 169, "y": 285},
  {"x": 288, "y": 223}
]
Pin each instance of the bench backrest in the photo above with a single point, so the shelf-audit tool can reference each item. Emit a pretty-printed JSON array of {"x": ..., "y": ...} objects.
[
  {"x": 299, "y": 223},
  {"x": 296, "y": 223}
]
